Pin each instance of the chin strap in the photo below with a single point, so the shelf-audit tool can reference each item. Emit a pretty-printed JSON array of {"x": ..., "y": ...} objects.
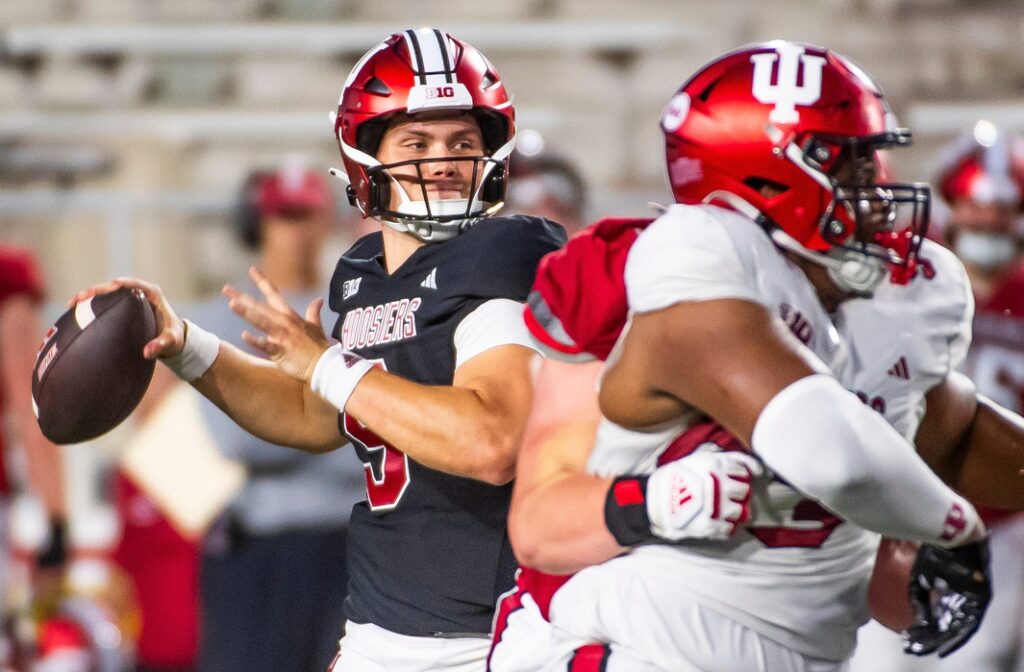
[
  {"x": 430, "y": 231},
  {"x": 851, "y": 271}
]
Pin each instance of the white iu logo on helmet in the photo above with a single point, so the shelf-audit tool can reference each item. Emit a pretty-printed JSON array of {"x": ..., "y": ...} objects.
[{"x": 785, "y": 93}]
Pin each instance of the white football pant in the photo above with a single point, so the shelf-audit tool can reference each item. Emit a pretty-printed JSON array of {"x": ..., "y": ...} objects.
[{"x": 370, "y": 648}]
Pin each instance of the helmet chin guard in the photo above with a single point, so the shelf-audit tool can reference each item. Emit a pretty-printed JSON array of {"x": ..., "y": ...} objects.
[
  {"x": 857, "y": 270},
  {"x": 435, "y": 220}
]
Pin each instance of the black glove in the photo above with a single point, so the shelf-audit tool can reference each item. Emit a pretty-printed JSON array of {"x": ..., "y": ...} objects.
[
  {"x": 950, "y": 589},
  {"x": 55, "y": 553}
]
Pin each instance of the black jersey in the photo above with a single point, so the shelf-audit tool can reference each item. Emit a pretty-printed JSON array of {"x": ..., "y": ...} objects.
[{"x": 428, "y": 551}]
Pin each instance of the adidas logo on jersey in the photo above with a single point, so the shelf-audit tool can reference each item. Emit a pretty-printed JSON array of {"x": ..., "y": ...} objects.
[
  {"x": 900, "y": 369},
  {"x": 350, "y": 287},
  {"x": 430, "y": 282}
]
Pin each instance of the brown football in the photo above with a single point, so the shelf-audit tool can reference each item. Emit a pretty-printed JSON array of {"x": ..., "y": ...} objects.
[{"x": 90, "y": 373}]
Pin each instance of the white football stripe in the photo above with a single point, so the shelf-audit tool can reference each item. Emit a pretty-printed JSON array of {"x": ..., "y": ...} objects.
[
  {"x": 410, "y": 46},
  {"x": 83, "y": 313},
  {"x": 435, "y": 51}
]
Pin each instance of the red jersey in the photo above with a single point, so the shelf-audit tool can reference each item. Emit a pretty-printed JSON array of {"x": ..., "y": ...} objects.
[
  {"x": 996, "y": 358},
  {"x": 164, "y": 567},
  {"x": 590, "y": 266},
  {"x": 19, "y": 276},
  {"x": 995, "y": 361}
]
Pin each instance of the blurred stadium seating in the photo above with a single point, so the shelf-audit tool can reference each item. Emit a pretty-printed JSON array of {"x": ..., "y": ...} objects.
[{"x": 172, "y": 101}]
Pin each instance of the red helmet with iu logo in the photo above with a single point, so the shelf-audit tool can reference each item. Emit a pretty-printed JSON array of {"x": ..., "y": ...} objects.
[
  {"x": 414, "y": 72},
  {"x": 788, "y": 133}
]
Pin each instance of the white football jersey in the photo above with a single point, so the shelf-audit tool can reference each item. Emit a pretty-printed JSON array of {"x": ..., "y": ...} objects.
[
  {"x": 797, "y": 573},
  {"x": 907, "y": 338}
]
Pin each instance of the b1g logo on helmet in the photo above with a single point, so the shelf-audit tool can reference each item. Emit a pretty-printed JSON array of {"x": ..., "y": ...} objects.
[
  {"x": 785, "y": 93},
  {"x": 440, "y": 92}
]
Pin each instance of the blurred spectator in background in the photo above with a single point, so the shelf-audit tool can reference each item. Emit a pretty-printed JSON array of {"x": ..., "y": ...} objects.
[
  {"x": 545, "y": 185},
  {"x": 981, "y": 180},
  {"x": 21, "y": 331},
  {"x": 164, "y": 569},
  {"x": 273, "y": 573}
]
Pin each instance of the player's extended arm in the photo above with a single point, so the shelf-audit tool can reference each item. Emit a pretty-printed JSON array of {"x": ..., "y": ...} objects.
[
  {"x": 259, "y": 396},
  {"x": 268, "y": 403},
  {"x": 20, "y": 333},
  {"x": 471, "y": 428},
  {"x": 563, "y": 519},
  {"x": 556, "y": 522},
  {"x": 734, "y": 361},
  {"x": 974, "y": 444}
]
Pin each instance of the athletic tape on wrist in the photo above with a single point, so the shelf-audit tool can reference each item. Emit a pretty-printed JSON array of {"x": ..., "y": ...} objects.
[
  {"x": 200, "y": 351},
  {"x": 625, "y": 511},
  {"x": 336, "y": 375}
]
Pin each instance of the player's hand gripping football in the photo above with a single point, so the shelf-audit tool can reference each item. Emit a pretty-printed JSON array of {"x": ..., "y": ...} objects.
[
  {"x": 293, "y": 343},
  {"x": 950, "y": 589},
  {"x": 170, "y": 329},
  {"x": 705, "y": 495}
]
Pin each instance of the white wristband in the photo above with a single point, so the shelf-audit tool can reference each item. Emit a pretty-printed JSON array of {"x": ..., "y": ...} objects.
[
  {"x": 337, "y": 373},
  {"x": 200, "y": 351}
]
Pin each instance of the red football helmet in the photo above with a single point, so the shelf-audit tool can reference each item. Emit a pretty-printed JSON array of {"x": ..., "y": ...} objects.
[
  {"x": 982, "y": 179},
  {"x": 985, "y": 166},
  {"x": 788, "y": 134},
  {"x": 419, "y": 71}
]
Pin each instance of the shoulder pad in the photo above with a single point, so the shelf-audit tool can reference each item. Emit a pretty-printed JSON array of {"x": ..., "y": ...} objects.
[
  {"x": 945, "y": 288},
  {"x": 577, "y": 307},
  {"x": 367, "y": 247},
  {"x": 498, "y": 257}
]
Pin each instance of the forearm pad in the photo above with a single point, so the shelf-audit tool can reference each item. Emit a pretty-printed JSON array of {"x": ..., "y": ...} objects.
[{"x": 824, "y": 442}]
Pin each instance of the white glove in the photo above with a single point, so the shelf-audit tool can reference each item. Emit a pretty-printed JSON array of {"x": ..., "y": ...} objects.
[{"x": 705, "y": 495}]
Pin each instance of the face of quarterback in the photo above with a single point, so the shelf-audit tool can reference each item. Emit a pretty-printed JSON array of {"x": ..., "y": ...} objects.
[{"x": 454, "y": 141}]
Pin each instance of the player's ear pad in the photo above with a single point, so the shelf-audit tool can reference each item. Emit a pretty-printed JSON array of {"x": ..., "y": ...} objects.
[
  {"x": 494, "y": 186},
  {"x": 380, "y": 193}
]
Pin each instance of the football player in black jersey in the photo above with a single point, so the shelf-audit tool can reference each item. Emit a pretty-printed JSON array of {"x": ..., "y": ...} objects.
[{"x": 431, "y": 376}]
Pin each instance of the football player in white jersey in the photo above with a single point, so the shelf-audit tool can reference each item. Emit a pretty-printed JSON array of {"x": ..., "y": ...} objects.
[
  {"x": 981, "y": 179},
  {"x": 750, "y": 327}
]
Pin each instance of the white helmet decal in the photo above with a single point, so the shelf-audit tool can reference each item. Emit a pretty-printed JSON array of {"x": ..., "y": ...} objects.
[{"x": 785, "y": 93}]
